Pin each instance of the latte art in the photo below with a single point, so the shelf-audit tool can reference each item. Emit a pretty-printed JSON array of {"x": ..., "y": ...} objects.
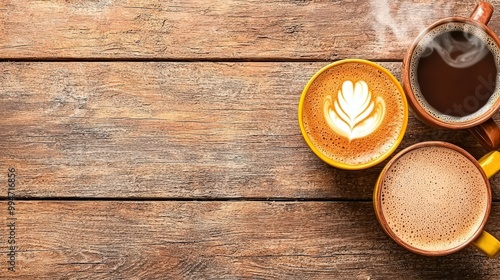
[{"x": 354, "y": 113}]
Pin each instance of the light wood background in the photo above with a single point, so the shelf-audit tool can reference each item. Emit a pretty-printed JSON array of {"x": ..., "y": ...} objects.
[{"x": 159, "y": 140}]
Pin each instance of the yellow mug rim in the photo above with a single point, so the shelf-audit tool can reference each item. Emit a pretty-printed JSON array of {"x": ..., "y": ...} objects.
[{"x": 379, "y": 159}]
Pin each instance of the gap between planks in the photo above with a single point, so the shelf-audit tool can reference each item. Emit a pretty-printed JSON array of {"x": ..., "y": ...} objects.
[
  {"x": 181, "y": 199},
  {"x": 183, "y": 60}
]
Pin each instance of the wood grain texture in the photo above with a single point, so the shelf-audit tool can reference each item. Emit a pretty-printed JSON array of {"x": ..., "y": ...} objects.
[
  {"x": 222, "y": 240},
  {"x": 129, "y": 147},
  {"x": 173, "y": 130},
  {"x": 221, "y": 29}
]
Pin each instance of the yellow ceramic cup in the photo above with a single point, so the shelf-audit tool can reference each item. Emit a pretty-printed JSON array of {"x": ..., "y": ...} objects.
[
  {"x": 395, "y": 97},
  {"x": 485, "y": 242}
]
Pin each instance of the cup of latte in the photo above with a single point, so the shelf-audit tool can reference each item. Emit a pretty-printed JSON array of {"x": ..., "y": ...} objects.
[
  {"x": 353, "y": 114},
  {"x": 451, "y": 75},
  {"x": 434, "y": 198}
]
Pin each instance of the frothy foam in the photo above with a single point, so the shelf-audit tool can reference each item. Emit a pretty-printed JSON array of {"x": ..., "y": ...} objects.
[
  {"x": 422, "y": 49},
  {"x": 434, "y": 198},
  {"x": 339, "y": 143}
]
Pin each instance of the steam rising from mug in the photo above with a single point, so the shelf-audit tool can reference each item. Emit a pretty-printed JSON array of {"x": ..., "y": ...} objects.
[
  {"x": 391, "y": 20},
  {"x": 462, "y": 53},
  {"x": 391, "y": 23}
]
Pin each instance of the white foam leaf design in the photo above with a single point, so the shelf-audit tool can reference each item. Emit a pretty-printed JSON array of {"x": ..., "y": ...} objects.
[{"x": 354, "y": 114}]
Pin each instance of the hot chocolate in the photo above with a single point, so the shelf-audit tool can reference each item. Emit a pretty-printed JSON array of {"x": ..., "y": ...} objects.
[{"x": 434, "y": 198}]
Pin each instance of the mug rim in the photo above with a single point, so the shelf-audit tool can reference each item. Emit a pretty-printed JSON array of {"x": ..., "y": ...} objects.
[
  {"x": 417, "y": 108},
  {"x": 382, "y": 157},
  {"x": 377, "y": 199}
]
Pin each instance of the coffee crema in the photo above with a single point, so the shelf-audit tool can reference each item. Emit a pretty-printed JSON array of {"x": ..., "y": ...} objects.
[
  {"x": 353, "y": 113},
  {"x": 434, "y": 198},
  {"x": 454, "y": 72}
]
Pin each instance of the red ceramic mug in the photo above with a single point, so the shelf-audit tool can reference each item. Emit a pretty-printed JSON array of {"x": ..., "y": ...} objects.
[{"x": 451, "y": 75}]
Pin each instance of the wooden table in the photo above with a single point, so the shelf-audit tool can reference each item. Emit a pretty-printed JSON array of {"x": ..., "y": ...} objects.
[{"x": 159, "y": 140}]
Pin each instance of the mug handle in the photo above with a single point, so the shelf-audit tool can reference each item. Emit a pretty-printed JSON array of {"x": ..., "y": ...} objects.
[
  {"x": 490, "y": 163},
  {"x": 488, "y": 134},
  {"x": 482, "y": 12},
  {"x": 486, "y": 242}
]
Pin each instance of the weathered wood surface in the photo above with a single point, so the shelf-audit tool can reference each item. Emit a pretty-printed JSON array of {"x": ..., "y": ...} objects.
[
  {"x": 130, "y": 146},
  {"x": 221, "y": 29},
  {"x": 222, "y": 240},
  {"x": 172, "y": 130}
]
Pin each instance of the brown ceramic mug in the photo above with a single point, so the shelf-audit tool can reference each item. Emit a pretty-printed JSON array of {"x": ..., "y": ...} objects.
[
  {"x": 434, "y": 199},
  {"x": 451, "y": 75}
]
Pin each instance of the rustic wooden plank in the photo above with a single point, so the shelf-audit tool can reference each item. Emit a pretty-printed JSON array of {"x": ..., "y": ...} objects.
[
  {"x": 221, "y": 29},
  {"x": 172, "y": 130},
  {"x": 220, "y": 240}
]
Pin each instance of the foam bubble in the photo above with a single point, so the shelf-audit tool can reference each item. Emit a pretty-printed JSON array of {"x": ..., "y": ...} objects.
[
  {"x": 420, "y": 50},
  {"x": 340, "y": 148},
  {"x": 434, "y": 198}
]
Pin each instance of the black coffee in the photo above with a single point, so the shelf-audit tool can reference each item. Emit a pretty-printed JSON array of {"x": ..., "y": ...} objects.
[{"x": 457, "y": 73}]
